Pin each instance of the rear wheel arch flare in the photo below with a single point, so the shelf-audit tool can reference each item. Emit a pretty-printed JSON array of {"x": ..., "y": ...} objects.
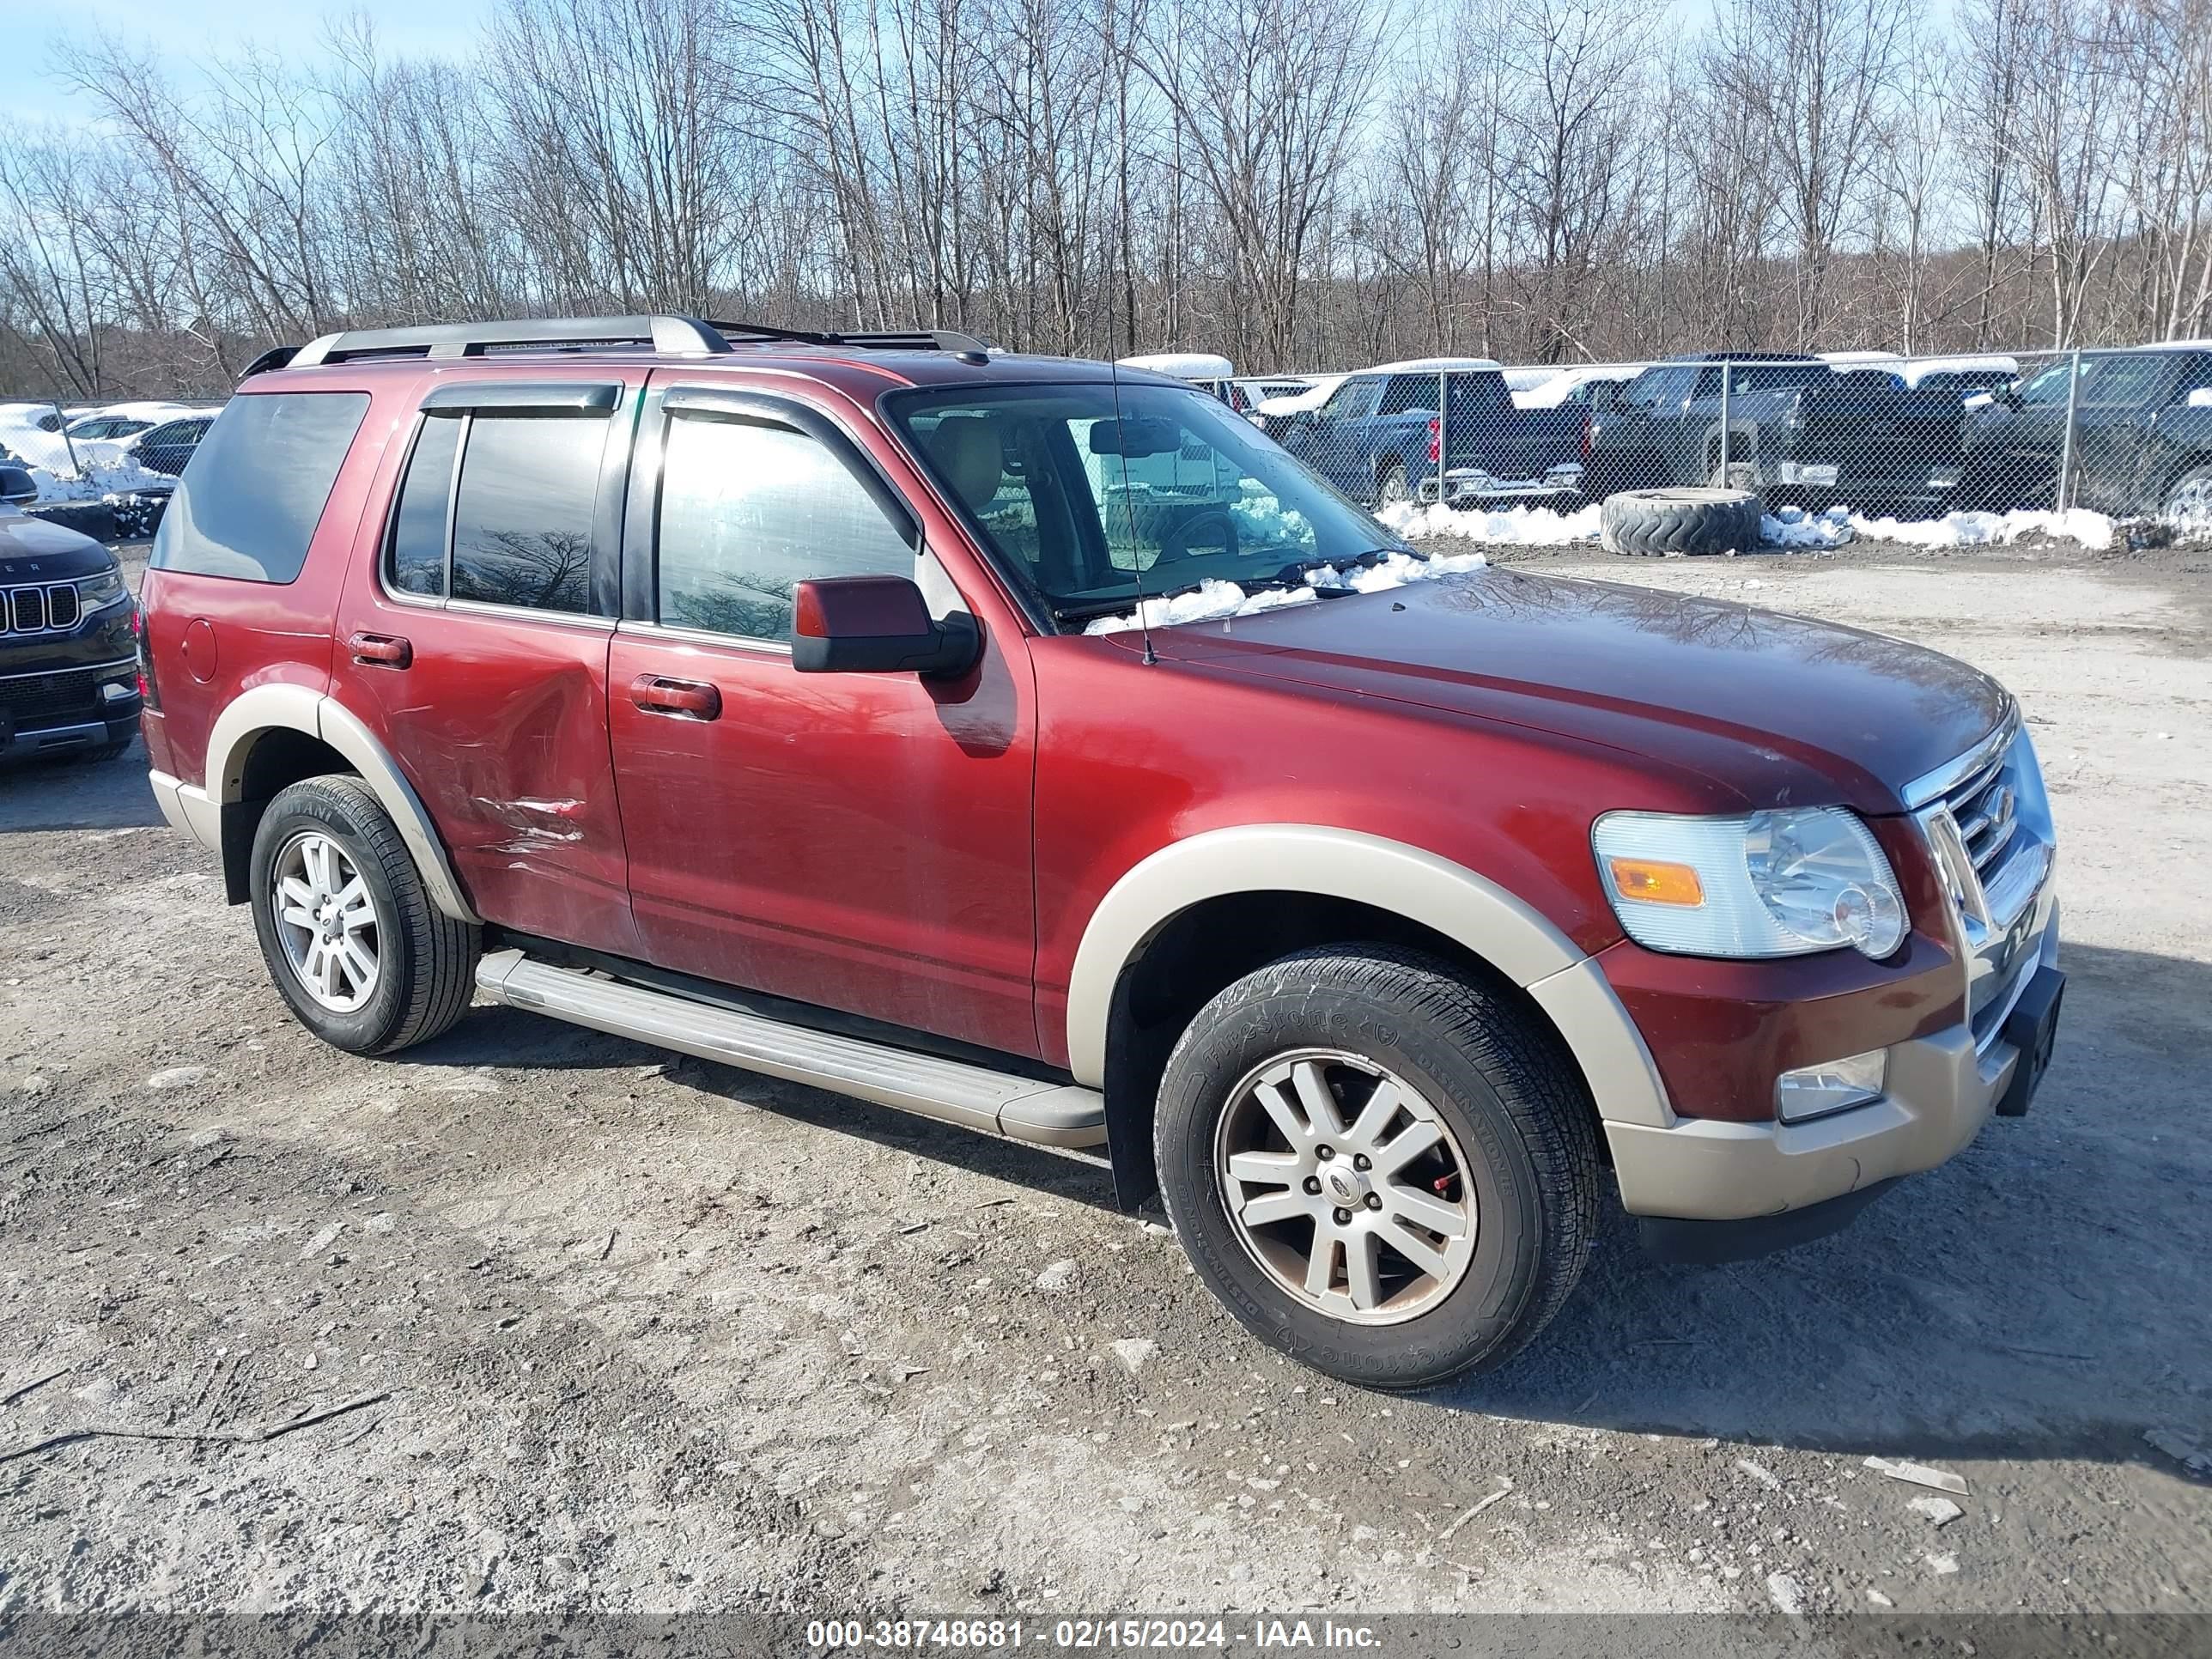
[{"x": 304, "y": 721}]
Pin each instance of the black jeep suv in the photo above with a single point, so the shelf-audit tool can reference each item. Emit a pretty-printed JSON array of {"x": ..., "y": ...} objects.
[{"x": 69, "y": 674}]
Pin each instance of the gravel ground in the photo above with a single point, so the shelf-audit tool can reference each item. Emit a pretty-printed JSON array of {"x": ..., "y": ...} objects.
[{"x": 602, "y": 1328}]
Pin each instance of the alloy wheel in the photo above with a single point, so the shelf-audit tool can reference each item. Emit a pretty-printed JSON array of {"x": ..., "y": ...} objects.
[
  {"x": 1345, "y": 1186},
  {"x": 326, "y": 921}
]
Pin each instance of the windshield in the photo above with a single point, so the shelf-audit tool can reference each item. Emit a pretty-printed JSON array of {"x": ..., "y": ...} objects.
[{"x": 1077, "y": 503}]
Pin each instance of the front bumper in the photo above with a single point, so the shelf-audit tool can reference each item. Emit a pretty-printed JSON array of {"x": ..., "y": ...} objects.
[
  {"x": 1941, "y": 1088},
  {"x": 67, "y": 705},
  {"x": 1465, "y": 486}
]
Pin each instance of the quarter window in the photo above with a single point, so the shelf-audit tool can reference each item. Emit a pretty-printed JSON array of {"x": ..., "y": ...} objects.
[
  {"x": 747, "y": 511},
  {"x": 522, "y": 518},
  {"x": 248, "y": 502}
]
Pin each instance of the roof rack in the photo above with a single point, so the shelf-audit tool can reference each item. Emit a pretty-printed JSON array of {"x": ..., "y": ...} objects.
[
  {"x": 674, "y": 335},
  {"x": 666, "y": 336}
]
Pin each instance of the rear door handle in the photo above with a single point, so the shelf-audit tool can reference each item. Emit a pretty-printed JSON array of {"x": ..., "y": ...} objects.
[
  {"x": 685, "y": 699},
  {"x": 380, "y": 650}
]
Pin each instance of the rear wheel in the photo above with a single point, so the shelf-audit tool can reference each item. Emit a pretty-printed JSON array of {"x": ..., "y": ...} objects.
[
  {"x": 356, "y": 947},
  {"x": 1382, "y": 1168},
  {"x": 2187, "y": 510},
  {"x": 1391, "y": 488}
]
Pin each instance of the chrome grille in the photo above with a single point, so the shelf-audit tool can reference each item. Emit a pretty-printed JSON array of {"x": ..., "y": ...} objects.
[
  {"x": 1986, "y": 809},
  {"x": 1990, "y": 831},
  {"x": 46, "y": 608}
]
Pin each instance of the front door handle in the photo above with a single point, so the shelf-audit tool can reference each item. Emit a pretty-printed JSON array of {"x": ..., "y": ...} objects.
[
  {"x": 380, "y": 651},
  {"x": 685, "y": 699}
]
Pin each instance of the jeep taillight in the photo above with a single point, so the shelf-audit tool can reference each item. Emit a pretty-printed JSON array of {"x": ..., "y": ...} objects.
[
  {"x": 149, "y": 687},
  {"x": 1590, "y": 427},
  {"x": 1436, "y": 439}
]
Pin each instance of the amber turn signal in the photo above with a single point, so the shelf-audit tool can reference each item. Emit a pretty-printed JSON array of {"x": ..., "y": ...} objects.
[{"x": 1653, "y": 881}]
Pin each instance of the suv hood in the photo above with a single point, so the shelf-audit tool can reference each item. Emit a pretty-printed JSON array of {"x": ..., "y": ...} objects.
[
  {"x": 1748, "y": 709},
  {"x": 34, "y": 551}
]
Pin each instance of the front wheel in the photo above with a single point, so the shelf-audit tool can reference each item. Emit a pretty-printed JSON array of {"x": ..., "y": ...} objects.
[
  {"x": 1382, "y": 1168},
  {"x": 352, "y": 939}
]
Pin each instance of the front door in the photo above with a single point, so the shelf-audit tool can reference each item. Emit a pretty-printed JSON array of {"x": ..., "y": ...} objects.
[{"x": 858, "y": 842}]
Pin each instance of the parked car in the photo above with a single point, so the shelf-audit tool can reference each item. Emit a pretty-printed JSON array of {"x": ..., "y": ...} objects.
[
  {"x": 1247, "y": 391},
  {"x": 1379, "y": 439},
  {"x": 116, "y": 421},
  {"x": 886, "y": 745},
  {"x": 1596, "y": 387},
  {"x": 1969, "y": 376},
  {"x": 1798, "y": 432},
  {"x": 1274, "y": 416},
  {"x": 68, "y": 674},
  {"x": 1206, "y": 369},
  {"x": 168, "y": 447},
  {"x": 31, "y": 435},
  {"x": 2142, "y": 438}
]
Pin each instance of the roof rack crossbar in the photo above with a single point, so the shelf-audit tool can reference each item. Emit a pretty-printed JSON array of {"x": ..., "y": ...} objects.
[
  {"x": 927, "y": 339},
  {"x": 674, "y": 335}
]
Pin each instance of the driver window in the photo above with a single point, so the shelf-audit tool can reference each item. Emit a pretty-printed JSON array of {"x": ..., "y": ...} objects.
[{"x": 746, "y": 512}]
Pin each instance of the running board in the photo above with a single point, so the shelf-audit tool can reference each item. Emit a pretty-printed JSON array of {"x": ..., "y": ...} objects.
[{"x": 972, "y": 1097}]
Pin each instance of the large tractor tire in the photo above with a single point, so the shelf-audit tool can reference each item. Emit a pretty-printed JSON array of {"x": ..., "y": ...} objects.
[{"x": 1652, "y": 523}]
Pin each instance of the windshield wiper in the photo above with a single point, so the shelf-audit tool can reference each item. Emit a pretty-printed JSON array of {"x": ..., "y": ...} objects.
[{"x": 1291, "y": 575}]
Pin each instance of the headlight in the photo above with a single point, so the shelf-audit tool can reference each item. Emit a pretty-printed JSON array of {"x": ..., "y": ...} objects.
[
  {"x": 1780, "y": 883},
  {"x": 104, "y": 589}
]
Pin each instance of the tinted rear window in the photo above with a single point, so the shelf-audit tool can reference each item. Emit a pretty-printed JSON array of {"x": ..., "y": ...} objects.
[
  {"x": 522, "y": 521},
  {"x": 248, "y": 503}
]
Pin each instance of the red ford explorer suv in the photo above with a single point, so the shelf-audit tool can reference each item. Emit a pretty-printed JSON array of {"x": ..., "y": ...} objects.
[{"x": 1041, "y": 749}]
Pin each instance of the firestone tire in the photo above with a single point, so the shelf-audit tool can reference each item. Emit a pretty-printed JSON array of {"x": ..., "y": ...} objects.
[
  {"x": 1495, "y": 1092},
  {"x": 424, "y": 961},
  {"x": 1652, "y": 523}
]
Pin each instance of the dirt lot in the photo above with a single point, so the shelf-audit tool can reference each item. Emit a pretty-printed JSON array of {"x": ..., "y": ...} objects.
[{"x": 638, "y": 1334}]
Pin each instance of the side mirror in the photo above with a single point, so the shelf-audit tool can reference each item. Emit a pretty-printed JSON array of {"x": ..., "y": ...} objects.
[
  {"x": 876, "y": 625},
  {"x": 17, "y": 487}
]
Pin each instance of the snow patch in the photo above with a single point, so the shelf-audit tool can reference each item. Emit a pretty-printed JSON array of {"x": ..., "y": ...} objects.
[
  {"x": 94, "y": 480},
  {"x": 1793, "y": 527},
  {"x": 1213, "y": 600},
  {"x": 1510, "y": 527}
]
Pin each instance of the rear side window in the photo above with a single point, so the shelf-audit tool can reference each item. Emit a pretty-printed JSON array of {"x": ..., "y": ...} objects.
[
  {"x": 2124, "y": 382},
  {"x": 1406, "y": 392},
  {"x": 248, "y": 503},
  {"x": 746, "y": 511},
  {"x": 417, "y": 558},
  {"x": 522, "y": 516}
]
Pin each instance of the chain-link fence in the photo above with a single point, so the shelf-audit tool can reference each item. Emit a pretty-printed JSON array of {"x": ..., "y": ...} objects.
[
  {"x": 1863, "y": 439},
  {"x": 105, "y": 468}
]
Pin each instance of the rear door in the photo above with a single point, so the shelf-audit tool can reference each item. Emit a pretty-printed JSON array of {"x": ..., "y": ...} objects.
[
  {"x": 475, "y": 643},
  {"x": 857, "y": 841},
  {"x": 2121, "y": 396},
  {"x": 1336, "y": 443}
]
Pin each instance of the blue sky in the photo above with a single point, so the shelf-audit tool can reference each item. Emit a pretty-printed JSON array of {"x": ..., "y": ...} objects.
[{"x": 178, "y": 30}]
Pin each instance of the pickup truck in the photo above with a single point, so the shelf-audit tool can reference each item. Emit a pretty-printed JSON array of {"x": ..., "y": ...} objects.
[
  {"x": 2142, "y": 438},
  {"x": 1383, "y": 913},
  {"x": 1799, "y": 431},
  {"x": 1379, "y": 439}
]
